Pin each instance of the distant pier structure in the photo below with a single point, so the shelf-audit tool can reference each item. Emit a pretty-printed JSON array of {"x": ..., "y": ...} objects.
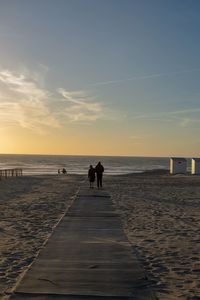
[
  {"x": 5, "y": 173},
  {"x": 178, "y": 165}
]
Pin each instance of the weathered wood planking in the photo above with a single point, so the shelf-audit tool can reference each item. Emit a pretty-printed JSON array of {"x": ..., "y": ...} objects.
[{"x": 87, "y": 257}]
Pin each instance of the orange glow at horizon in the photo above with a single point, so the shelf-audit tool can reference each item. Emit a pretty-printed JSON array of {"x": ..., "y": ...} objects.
[{"x": 17, "y": 141}]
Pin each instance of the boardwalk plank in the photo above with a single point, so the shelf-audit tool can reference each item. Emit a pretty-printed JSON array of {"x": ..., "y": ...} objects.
[{"x": 87, "y": 257}]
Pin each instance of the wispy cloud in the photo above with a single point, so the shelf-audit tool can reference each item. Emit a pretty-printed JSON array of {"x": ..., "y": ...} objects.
[
  {"x": 185, "y": 111},
  {"x": 183, "y": 117},
  {"x": 26, "y": 103},
  {"x": 143, "y": 77},
  {"x": 80, "y": 106}
]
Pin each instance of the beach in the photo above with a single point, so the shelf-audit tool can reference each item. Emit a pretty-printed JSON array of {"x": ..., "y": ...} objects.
[
  {"x": 160, "y": 215},
  {"x": 30, "y": 209}
]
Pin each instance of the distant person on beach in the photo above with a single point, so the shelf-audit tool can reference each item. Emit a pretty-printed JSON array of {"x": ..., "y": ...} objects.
[
  {"x": 64, "y": 171},
  {"x": 99, "y": 169},
  {"x": 91, "y": 176}
]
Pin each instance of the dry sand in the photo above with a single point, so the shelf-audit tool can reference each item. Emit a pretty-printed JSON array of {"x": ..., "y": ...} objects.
[
  {"x": 160, "y": 214},
  {"x": 161, "y": 217},
  {"x": 29, "y": 209}
]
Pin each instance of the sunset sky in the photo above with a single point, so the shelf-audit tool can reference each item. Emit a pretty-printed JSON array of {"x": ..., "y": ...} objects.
[{"x": 100, "y": 77}]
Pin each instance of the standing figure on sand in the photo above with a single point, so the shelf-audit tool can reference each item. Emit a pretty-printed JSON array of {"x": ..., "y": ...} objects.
[
  {"x": 91, "y": 176},
  {"x": 99, "y": 169},
  {"x": 64, "y": 171}
]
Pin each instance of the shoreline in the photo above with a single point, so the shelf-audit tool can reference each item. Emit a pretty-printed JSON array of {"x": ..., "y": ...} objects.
[{"x": 142, "y": 172}]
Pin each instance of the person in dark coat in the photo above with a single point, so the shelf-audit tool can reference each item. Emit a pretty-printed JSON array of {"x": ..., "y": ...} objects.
[
  {"x": 99, "y": 169},
  {"x": 91, "y": 176},
  {"x": 64, "y": 171}
]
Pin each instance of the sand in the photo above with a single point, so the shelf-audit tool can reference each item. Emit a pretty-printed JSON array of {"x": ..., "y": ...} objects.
[
  {"x": 161, "y": 217},
  {"x": 30, "y": 207},
  {"x": 160, "y": 214}
]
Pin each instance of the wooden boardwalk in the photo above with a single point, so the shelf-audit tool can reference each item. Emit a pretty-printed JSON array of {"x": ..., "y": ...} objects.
[{"x": 87, "y": 257}]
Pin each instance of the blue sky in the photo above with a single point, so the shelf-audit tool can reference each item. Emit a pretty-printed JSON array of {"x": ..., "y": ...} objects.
[{"x": 123, "y": 72}]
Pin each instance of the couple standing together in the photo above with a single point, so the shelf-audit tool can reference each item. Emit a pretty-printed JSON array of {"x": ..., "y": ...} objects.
[{"x": 99, "y": 169}]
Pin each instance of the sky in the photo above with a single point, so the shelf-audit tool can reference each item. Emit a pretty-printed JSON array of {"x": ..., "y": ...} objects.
[{"x": 100, "y": 77}]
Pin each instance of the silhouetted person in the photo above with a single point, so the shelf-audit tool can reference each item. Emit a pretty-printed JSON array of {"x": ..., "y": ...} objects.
[
  {"x": 99, "y": 170},
  {"x": 91, "y": 176},
  {"x": 64, "y": 171}
]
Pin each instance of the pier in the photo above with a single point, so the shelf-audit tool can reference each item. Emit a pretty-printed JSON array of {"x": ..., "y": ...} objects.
[
  {"x": 5, "y": 173},
  {"x": 87, "y": 257}
]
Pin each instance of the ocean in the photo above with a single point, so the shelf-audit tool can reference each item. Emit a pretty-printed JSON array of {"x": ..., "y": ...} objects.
[{"x": 49, "y": 164}]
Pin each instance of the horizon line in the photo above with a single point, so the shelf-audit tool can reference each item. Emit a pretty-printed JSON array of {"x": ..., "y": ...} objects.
[{"x": 95, "y": 155}]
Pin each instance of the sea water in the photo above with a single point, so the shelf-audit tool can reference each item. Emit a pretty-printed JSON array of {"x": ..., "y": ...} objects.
[{"x": 49, "y": 164}]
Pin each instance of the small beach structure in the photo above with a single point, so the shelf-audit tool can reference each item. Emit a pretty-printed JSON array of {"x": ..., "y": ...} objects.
[
  {"x": 195, "y": 166},
  {"x": 178, "y": 165}
]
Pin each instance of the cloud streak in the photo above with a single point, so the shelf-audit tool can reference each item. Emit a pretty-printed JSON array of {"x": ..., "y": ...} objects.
[
  {"x": 24, "y": 103},
  {"x": 80, "y": 106},
  {"x": 143, "y": 77},
  {"x": 183, "y": 117}
]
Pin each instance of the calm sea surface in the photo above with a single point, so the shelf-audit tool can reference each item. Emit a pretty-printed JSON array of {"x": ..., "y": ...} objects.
[{"x": 49, "y": 164}]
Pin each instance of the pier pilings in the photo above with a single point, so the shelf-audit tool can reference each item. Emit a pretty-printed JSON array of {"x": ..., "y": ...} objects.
[{"x": 5, "y": 173}]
